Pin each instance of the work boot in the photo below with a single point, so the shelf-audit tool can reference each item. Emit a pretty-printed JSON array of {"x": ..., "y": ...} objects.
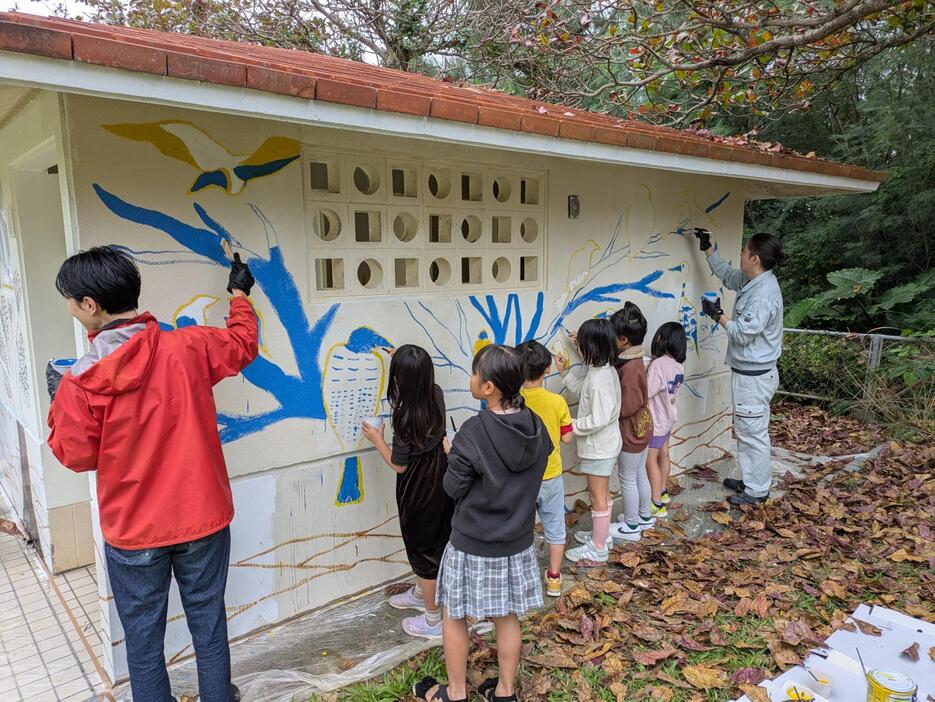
[{"x": 734, "y": 484}]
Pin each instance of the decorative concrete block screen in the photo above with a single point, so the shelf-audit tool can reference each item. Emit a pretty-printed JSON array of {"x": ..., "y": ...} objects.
[
  {"x": 358, "y": 242},
  {"x": 381, "y": 225}
]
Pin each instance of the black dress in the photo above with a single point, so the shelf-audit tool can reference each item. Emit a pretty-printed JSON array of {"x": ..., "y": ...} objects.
[{"x": 424, "y": 507}]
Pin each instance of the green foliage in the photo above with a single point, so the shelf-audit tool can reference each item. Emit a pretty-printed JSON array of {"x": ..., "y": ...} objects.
[
  {"x": 881, "y": 116},
  {"x": 855, "y": 297}
]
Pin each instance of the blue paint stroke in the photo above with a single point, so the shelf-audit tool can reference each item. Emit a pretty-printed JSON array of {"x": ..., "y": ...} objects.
[
  {"x": 349, "y": 491},
  {"x": 298, "y": 396},
  {"x": 717, "y": 203}
]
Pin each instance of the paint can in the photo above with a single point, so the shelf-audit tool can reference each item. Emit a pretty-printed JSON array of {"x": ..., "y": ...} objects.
[
  {"x": 885, "y": 685},
  {"x": 62, "y": 365},
  {"x": 710, "y": 296},
  {"x": 375, "y": 422}
]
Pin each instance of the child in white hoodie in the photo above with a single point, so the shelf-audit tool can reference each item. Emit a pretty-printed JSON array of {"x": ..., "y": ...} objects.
[{"x": 597, "y": 435}]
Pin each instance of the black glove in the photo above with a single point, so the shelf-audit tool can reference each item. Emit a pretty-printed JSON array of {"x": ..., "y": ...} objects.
[
  {"x": 52, "y": 379},
  {"x": 240, "y": 278},
  {"x": 712, "y": 309},
  {"x": 704, "y": 238}
]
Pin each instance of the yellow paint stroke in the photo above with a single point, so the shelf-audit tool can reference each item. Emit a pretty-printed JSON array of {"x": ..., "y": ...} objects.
[
  {"x": 649, "y": 208},
  {"x": 187, "y": 142},
  {"x": 594, "y": 248}
]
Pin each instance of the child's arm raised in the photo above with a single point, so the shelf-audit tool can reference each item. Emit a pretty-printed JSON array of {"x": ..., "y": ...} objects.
[{"x": 392, "y": 457}]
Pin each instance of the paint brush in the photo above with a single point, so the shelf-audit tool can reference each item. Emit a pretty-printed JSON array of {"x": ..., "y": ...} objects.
[
  {"x": 226, "y": 248},
  {"x": 453, "y": 427},
  {"x": 862, "y": 666}
]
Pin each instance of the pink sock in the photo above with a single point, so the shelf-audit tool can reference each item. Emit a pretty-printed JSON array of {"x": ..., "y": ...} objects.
[{"x": 600, "y": 522}]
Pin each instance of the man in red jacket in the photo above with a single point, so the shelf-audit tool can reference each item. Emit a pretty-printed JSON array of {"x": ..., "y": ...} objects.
[{"x": 139, "y": 409}]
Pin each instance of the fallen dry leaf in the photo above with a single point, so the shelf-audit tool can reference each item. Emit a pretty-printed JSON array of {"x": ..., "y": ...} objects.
[
  {"x": 553, "y": 660},
  {"x": 867, "y": 628},
  {"x": 653, "y": 657},
  {"x": 755, "y": 693},
  {"x": 705, "y": 678},
  {"x": 911, "y": 652}
]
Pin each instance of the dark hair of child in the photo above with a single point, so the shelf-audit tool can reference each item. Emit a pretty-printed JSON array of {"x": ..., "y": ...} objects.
[
  {"x": 767, "y": 247},
  {"x": 597, "y": 342},
  {"x": 670, "y": 339},
  {"x": 411, "y": 392},
  {"x": 105, "y": 274},
  {"x": 537, "y": 359},
  {"x": 505, "y": 368},
  {"x": 629, "y": 323}
]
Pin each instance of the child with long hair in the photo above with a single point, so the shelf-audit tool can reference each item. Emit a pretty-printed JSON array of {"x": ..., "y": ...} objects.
[
  {"x": 489, "y": 569},
  {"x": 418, "y": 458},
  {"x": 597, "y": 437},
  {"x": 664, "y": 378}
]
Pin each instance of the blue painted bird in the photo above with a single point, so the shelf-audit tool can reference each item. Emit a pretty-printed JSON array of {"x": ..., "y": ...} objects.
[{"x": 352, "y": 388}]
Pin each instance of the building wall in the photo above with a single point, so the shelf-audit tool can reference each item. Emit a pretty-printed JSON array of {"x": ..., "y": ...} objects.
[
  {"x": 52, "y": 504},
  {"x": 316, "y": 515}
]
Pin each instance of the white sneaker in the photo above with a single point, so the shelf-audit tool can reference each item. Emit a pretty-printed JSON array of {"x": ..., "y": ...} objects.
[
  {"x": 408, "y": 600},
  {"x": 418, "y": 626},
  {"x": 587, "y": 552},
  {"x": 584, "y": 537},
  {"x": 626, "y": 532},
  {"x": 643, "y": 523}
]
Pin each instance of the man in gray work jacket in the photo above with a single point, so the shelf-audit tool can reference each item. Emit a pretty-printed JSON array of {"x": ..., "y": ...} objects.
[{"x": 754, "y": 344}]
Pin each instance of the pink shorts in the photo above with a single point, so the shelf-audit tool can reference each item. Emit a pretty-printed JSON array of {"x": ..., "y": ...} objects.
[{"x": 657, "y": 442}]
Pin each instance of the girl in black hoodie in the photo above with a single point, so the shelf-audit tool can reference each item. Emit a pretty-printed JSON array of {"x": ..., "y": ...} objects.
[{"x": 489, "y": 569}]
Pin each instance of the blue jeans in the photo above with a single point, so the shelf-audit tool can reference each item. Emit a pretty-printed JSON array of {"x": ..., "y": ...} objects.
[{"x": 140, "y": 583}]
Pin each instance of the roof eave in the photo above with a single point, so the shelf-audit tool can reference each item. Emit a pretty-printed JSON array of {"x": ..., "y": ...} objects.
[{"x": 99, "y": 81}]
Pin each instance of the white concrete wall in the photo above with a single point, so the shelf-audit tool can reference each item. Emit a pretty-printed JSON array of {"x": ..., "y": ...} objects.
[
  {"x": 311, "y": 528},
  {"x": 35, "y": 326}
]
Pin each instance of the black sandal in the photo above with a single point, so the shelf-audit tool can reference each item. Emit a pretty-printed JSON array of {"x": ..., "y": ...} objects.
[
  {"x": 421, "y": 688},
  {"x": 488, "y": 690}
]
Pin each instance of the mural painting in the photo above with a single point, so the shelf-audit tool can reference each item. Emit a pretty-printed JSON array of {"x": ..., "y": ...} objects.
[{"x": 326, "y": 371}]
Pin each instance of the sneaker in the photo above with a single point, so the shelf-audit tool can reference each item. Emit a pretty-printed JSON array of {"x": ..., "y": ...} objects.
[
  {"x": 584, "y": 537},
  {"x": 626, "y": 532},
  {"x": 418, "y": 626},
  {"x": 587, "y": 552},
  {"x": 665, "y": 498},
  {"x": 657, "y": 512},
  {"x": 642, "y": 522},
  {"x": 553, "y": 586},
  {"x": 744, "y": 498},
  {"x": 408, "y": 600},
  {"x": 734, "y": 484}
]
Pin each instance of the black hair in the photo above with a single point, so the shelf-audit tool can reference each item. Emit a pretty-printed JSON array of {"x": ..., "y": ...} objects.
[
  {"x": 411, "y": 393},
  {"x": 597, "y": 342},
  {"x": 670, "y": 339},
  {"x": 106, "y": 274},
  {"x": 629, "y": 323},
  {"x": 767, "y": 247},
  {"x": 505, "y": 368},
  {"x": 537, "y": 359}
]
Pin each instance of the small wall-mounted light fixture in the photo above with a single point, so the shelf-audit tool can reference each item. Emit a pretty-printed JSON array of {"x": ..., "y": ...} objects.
[{"x": 574, "y": 207}]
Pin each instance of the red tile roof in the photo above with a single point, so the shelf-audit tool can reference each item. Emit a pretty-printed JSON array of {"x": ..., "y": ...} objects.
[{"x": 319, "y": 77}]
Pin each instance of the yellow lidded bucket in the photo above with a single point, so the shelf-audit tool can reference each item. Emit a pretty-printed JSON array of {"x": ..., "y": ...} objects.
[{"x": 885, "y": 685}]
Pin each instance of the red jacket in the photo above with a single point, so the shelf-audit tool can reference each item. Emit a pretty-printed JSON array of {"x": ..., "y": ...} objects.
[{"x": 140, "y": 410}]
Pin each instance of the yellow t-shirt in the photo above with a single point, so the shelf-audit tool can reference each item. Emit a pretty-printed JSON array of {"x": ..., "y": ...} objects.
[{"x": 553, "y": 411}]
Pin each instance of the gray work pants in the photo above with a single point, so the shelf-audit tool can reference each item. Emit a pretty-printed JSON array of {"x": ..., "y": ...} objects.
[{"x": 751, "y": 397}]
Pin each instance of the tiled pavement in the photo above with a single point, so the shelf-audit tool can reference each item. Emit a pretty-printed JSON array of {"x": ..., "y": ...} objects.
[{"x": 42, "y": 655}]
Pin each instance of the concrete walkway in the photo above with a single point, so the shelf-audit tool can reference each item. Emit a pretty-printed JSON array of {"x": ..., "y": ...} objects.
[{"x": 47, "y": 626}]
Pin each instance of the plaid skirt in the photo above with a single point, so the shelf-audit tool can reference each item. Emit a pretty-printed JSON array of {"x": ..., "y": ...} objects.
[{"x": 481, "y": 587}]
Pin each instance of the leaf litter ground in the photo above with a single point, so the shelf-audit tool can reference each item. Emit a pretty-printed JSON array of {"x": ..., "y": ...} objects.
[{"x": 704, "y": 619}]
